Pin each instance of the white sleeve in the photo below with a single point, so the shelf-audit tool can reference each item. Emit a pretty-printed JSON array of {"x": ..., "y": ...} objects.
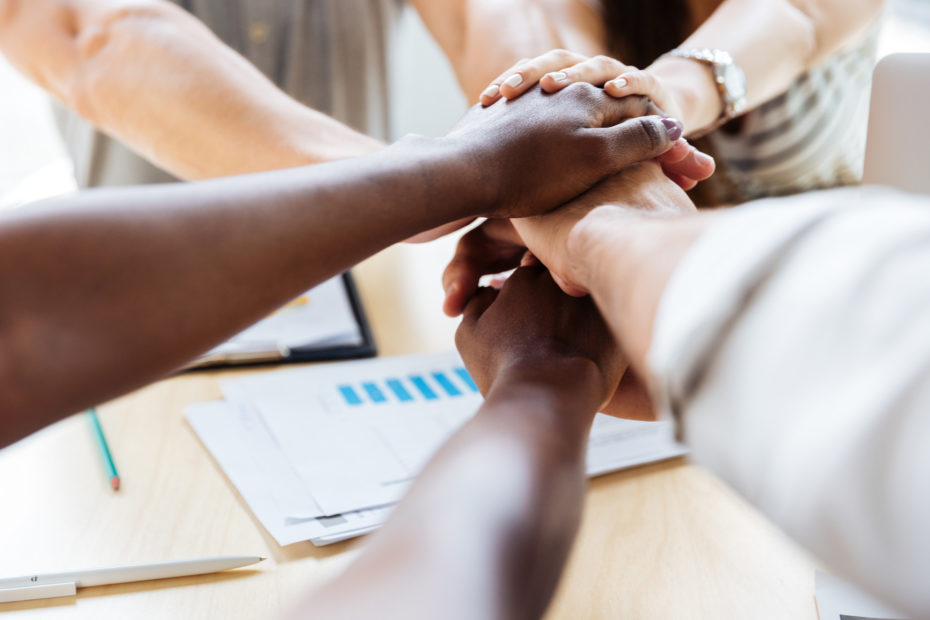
[{"x": 793, "y": 344}]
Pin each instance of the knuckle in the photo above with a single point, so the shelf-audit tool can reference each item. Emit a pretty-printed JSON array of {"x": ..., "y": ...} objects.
[
  {"x": 637, "y": 105},
  {"x": 604, "y": 62},
  {"x": 562, "y": 55},
  {"x": 461, "y": 336},
  {"x": 649, "y": 133},
  {"x": 582, "y": 91},
  {"x": 529, "y": 68},
  {"x": 595, "y": 150}
]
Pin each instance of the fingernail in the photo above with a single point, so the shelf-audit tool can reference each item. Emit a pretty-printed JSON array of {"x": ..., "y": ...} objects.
[
  {"x": 491, "y": 91},
  {"x": 704, "y": 157},
  {"x": 559, "y": 76},
  {"x": 619, "y": 82},
  {"x": 514, "y": 80},
  {"x": 673, "y": 127}
]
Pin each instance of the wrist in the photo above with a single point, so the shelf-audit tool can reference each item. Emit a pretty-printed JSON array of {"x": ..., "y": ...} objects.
[
  {"x": 320, "y": 139},
  {"x": 694, "y": 90},
  {"x": 551, "y": 384},
  {"x": 456, "y": 182},
  {"x": 593, "y": 240}
]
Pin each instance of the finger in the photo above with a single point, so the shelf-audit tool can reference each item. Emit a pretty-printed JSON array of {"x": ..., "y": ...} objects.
[
  {"x": 693, "y": 165},
  {"x": 478, "y": 304},
  {"x": 685, "y": 183},
  {"x": 678, "y": 152},
  {"x": 596, "y": 71},
  {"x": 639, "y": 139},
  {"x": 493, "y": 92},
  {"x": 631, "y": 400},
  {"x": 568, "y": 288},
  {"x": 637, "y": 82},
  {"x": 529, "y": 260},
  {"x": 497, "y": 282},
  {"x": 491, "y": 248},
  {"x": 529, "y": 73}
]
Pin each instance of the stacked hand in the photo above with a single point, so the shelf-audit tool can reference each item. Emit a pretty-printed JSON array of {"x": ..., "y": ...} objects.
[
  {"x": 532, "y": 330},
  {"x": 531, "y": 155},
  {"x": 557, "y": 238},
  {"x": 526, "y": 321},
  {"x": 559, "y": 68}
]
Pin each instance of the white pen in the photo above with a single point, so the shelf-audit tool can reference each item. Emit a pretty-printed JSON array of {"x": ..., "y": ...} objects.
[{"x": 31, "y": 587}]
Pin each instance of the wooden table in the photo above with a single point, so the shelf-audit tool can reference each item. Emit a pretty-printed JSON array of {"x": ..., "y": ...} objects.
[{"x": 662, "y": 541}]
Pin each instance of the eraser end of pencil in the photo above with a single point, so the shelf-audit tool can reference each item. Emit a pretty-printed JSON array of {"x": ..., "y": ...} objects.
[{"x": 114, "y": 482}]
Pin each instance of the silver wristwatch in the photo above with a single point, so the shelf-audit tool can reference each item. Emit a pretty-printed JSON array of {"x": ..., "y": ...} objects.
[{"x": 730, "y": 79}]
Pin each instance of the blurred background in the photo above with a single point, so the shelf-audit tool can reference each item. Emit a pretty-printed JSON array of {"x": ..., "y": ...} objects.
[{"x": 33, "y": 164}]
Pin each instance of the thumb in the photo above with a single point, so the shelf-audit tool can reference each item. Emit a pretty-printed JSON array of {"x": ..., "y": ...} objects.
[{"x": 640, "y": 139}]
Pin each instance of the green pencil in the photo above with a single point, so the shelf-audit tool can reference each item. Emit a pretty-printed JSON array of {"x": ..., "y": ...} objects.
[{"x": 108, "y": 463}]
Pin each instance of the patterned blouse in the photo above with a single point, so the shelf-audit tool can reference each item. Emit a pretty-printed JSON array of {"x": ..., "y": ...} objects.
[{"x": 810, "y": 137}]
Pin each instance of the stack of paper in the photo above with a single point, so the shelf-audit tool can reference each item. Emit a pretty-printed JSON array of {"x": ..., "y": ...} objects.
[{"x": 321, "y": 453}]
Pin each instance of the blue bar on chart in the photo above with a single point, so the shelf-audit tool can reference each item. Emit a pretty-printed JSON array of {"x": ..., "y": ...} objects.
[
  {"x": 446, "y": 384},
  {"x": 466, "y": 378},
  {"x": 349, "y": 395},
  {"x": 424, "y": 388},
  {"x": 399, "y": 390},
  {"x": 374, "y": 393}
]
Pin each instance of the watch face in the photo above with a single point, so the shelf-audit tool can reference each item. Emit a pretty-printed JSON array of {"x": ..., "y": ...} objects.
[{"x": 734, "y": 80}]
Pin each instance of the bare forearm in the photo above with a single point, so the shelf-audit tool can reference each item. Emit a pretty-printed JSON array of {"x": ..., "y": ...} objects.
[
  {"x": 485, "y": 530},
  {"x": 773, "y": 42},
  {"x": 154, "y": 76},
  {"x": 483, "y": 37},
  {"x": 626, "y": 260},
  {"x": 108, "y": 290}
]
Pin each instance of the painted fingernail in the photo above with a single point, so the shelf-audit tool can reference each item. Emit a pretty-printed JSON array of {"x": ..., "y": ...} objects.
[
  {"x": 673, "y": 127},
  {"x": 491, "y": 91},
  {"x": 514, "y": 80},
  {"x": 619, "y": 82},
  {"x": 559, "y": 76}
]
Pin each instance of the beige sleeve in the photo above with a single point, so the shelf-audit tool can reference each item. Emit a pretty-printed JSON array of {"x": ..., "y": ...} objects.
[{"x": 793, "y": 342}]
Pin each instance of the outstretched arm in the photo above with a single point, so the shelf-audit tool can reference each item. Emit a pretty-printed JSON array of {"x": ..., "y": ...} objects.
[
  {"x": 101, "y": 296},
  {"x": 485, "y": 530},
  {"x": 152, "y": 75},
  {"x": 483, "y": 37},
  {"x": 774, "y": 42},
  {"x": 790, "y": 341}
]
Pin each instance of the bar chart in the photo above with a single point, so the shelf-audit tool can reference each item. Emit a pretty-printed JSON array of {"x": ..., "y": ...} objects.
[{"x": 436, "y": 385}]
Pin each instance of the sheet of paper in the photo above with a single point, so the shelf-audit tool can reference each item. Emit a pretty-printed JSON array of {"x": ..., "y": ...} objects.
[
  {"x": 618, "y": 444},
  {"x": 321, "y": 316},
  {"x": 357, "y": 433},
  {"x": 247, "y": 455},
  {"x": 399, "y": 410},
  {"x": 841, "y": 600}
]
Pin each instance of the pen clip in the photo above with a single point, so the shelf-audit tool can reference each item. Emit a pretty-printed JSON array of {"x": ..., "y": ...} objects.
[{"x": 32, "y": 593}]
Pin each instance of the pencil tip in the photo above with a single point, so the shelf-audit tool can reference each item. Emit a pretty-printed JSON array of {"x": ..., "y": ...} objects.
[
  {"x": 261, "y": 559},
  {"x": 114, "y": 482}
]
